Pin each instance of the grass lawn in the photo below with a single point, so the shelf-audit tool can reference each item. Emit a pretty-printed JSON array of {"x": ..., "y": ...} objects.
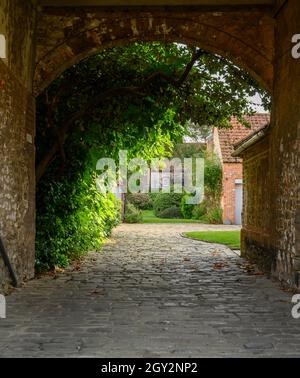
[
  {"x": 230, "y": 238},
  {"x": 149, "y": 217}
]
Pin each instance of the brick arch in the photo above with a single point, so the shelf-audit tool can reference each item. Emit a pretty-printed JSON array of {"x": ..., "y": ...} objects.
[{"x": 66, "y": 36}]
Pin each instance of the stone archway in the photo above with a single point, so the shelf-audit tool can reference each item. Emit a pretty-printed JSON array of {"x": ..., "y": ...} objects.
[
  {"x": 58, "y": 37},
  {"x": 67, "y": 35}
]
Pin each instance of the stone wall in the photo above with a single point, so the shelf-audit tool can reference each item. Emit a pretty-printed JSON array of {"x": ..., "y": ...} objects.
[
  {"x": 18, "y": 25},
  {"x": 17, "y": 129},
  {"x": 285, "y": 143},
  {"x": 258, "y": 234},
  {"x": 271, "y": 228},
  {"x": 67, "y": 35}
]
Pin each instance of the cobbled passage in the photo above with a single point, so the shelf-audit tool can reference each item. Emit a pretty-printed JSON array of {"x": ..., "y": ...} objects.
[{"x": 152, "y": 293}]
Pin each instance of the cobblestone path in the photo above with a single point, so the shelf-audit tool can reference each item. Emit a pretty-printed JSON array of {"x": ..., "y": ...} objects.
[{"x": 152, "y": 293}]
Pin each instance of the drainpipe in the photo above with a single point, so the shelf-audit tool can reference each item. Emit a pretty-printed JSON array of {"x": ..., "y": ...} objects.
[{"x": 8, "y": 264}]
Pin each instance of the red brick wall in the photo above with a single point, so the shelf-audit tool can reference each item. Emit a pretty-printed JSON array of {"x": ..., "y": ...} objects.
[{"x": 231, "y": 172}]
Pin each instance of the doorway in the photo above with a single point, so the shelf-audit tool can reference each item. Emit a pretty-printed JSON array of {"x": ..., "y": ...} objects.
[{"x": 238, "y": 201}]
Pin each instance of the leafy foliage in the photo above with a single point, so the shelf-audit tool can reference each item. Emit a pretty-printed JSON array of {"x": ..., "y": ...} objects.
[
  {"x": 186, "y": 209},
  {"x": 214, "y": 215},
  {"x": 208, "y": 210},
  {"x": 171, "y": 213},
  {"x": 213, "y": 176},
  {"x": 142, "y": 201},
  {"x": 133, "y": 214},
  {"x": 164, "y": 201},
  {"x": 199, "y": 211},
  {"x": 74, "y": 218},
  {"x": 137, "y": 98}
]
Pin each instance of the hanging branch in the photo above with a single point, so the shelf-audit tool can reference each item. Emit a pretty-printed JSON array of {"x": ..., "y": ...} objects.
[{"x": 89, "y": 108}]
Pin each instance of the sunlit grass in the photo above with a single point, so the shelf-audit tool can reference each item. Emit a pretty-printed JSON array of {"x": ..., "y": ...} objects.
[
  {"x": 230, "y": 238},
  {"x": 149, "y": 217}
]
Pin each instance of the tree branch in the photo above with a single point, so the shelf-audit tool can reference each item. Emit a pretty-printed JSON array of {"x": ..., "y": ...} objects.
[{"x": 63, "y": 132}]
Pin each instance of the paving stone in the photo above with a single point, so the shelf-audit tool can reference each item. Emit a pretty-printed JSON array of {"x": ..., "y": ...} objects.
[{"x": 152, "y": 293}]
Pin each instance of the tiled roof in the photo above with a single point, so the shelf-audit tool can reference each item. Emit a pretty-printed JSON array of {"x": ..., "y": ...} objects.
[
  {"x": 262, "y": 131},
  {"x": 230, "y": 137}
]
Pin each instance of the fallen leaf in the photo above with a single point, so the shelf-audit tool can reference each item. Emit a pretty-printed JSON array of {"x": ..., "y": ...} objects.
[
  {"x": 97, "y": 291},
  {"x": 220, "y": 265}
]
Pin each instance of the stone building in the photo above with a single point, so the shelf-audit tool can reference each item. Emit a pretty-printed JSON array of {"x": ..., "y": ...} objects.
[{"x": 255, "y": 150}]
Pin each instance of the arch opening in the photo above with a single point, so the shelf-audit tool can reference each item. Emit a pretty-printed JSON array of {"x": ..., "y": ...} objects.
[{"x": 131, "y": 111}]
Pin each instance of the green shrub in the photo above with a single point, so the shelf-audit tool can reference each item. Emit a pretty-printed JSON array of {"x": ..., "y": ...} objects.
[
  {"x": 132, "y": 214},
  {"x": 199, "y": 211},
  {"x": 213, "y": 175},
  {"x": 142, "y": 201},
  {"x": 153, "y": 197},
  {"x": 72, "y": 218},
  {"x": 164, "y": 201},
  {"x": 186, "y": 209},
  {"x": 215, "y": 216},
  {"x": 171, "y": 213}
]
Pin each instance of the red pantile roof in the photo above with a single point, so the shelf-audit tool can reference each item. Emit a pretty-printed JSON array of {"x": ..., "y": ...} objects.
[{"x": 230, "y": 137}]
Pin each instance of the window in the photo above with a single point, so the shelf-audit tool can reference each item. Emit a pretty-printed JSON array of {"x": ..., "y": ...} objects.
[{"x": 2, "y": 47}]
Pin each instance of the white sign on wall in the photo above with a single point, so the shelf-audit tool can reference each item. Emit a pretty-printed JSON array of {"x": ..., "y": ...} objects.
[{"x": 2, "y": 47}]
